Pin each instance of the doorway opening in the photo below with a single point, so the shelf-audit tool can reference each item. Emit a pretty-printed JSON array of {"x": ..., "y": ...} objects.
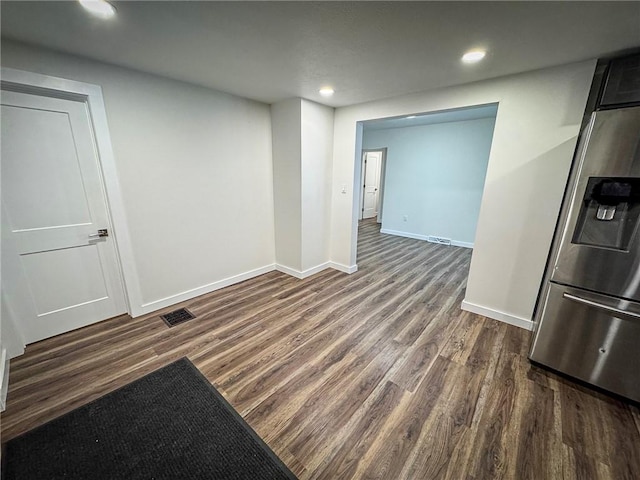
[{"x": 435, "y": 165}]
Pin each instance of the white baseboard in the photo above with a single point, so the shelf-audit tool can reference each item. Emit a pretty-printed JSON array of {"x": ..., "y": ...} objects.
[
  {"x": 211, "y": 287},
  {"x": 497, "y": 315},
  {"x": 417, "y": 236},
  {"x": 304, "y": 273},
  {"x": 343, "y": 268},
  {"x": 312, "y": 271},
  {"x": 398, "y": 233},
  {"x": 4, "y": 379},
  {"x": 288, "y": 270},
  {"x": 195, "y": 292},
  {"x": 457, "y": 243}
]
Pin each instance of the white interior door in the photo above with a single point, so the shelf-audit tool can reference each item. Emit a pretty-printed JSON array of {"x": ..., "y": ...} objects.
[
  {"x": 371, "y": 186},
  {"x": 57, "y": 273}
]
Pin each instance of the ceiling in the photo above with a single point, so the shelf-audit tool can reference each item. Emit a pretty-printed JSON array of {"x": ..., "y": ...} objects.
[{"x": 269, "y": 51}]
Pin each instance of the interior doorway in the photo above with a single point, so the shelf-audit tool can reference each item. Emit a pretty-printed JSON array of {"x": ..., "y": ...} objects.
[
  {"x": 434, "y": 173},
  {"x": 372, "y": 191}
]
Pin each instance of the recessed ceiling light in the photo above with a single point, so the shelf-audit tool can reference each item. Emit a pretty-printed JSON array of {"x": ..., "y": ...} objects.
[
  {"x": 326, "y": 91},
  {"x": 473, "y": 56},
  {"x": 411, "y": 116},
  {"x": 99, "y": 8}
]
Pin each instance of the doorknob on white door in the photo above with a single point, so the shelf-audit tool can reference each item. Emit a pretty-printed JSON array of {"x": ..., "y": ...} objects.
[{"x": 101, "y": 233}]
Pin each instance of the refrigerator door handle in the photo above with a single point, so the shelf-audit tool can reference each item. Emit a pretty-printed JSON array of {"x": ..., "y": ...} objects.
[{"x": 601, "y": 306}]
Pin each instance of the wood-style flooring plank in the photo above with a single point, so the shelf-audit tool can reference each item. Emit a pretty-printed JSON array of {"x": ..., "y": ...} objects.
[
  {"x": 493, "y": 451},
  {"x": 360, "y": 435},
  {"x": 404, "y": 426},
  {"x": 377, "y": 374},
  {"x": 577, "y": 465}
]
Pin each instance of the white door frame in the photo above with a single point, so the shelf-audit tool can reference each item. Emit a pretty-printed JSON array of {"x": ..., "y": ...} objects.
[
  {"x": 382, "y": 167},
  {"x": 383, "y": 176},
  {"x": 35, "y": 83}
]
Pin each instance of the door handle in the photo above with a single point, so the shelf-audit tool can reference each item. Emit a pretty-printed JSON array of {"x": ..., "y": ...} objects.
[
  {"x": 601, "y": 306},
  {"x": 103, "y": 232}
]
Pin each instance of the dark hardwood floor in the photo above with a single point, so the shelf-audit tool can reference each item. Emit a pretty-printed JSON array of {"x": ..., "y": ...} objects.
[{"x": 374, "y": 375}]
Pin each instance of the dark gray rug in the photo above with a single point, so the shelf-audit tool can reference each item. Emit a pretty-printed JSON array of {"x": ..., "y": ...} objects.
[{"x": 170, "y": 424}]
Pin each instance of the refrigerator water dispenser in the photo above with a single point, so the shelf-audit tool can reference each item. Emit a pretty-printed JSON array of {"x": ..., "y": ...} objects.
[{"x": 610, "y": 213}]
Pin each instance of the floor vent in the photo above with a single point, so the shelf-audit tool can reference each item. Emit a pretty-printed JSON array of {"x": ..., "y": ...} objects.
[
  {"x": 440, "y": 240},
  {"x": 177, "y": 316}
]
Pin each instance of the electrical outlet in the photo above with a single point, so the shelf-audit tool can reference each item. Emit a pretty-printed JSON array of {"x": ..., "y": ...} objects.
[{"x": 405, "y": 218}]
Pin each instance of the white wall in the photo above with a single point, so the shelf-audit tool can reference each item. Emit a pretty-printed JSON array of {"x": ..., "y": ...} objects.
[
  {"x": 286, "y": 119},
  {"x": 11, "y": 345},
  {"x": 10, "y": 337},
  {"x": 434, "y": 176},
  {"x": 195, "y": 171},
  {"x": 536, "y": 128},
  {"x": 317, "y": 150}
]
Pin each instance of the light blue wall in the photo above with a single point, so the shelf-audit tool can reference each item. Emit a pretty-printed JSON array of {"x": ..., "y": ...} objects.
[{"x": 434, "y": 176}]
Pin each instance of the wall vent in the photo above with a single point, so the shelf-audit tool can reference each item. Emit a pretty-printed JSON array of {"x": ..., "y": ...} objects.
[
  {"x": 440, "y": 240},
  {"x": 177, "y": 316}
]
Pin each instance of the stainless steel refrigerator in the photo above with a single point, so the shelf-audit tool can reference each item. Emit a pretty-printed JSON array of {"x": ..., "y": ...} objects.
[{"x": 588, "y": 316}]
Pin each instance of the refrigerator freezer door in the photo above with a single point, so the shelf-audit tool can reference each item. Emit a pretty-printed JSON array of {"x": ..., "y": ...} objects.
[
  {"x": 600, "y": 246},
  {"x": 591, "y": 337}
]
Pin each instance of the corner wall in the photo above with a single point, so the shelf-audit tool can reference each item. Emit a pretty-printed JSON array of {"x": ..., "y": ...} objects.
[
  {"x": 317, "y": 149},
  {"x": 286, "y": 117},
  {"x": 536, "y": 129},
  {"x": 302, "y": 146}
]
